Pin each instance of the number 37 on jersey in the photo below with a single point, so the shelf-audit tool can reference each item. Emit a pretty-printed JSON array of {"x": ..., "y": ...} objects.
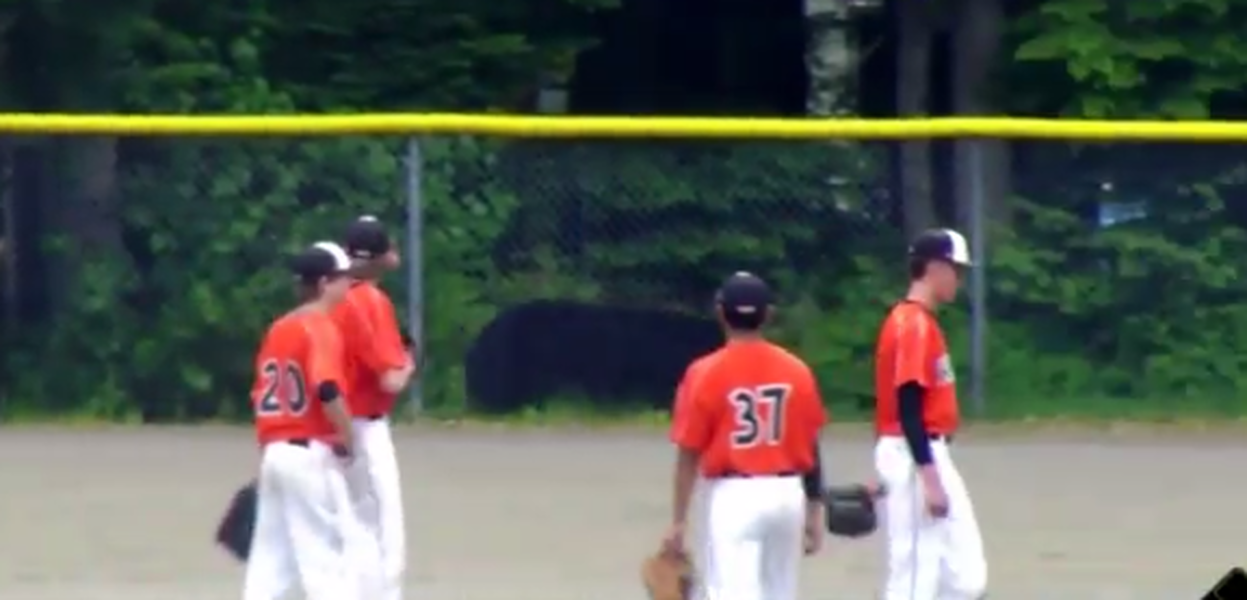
[
  {"x": 749, "y": 408},
  {"x": 759, "y": 416}
]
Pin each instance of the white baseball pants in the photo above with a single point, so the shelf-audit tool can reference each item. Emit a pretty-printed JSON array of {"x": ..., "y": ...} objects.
[
  {"x": 928, "y": 558},
  {"x": 376, "y": 492},
  {"x": 754, "y": 529},
  {"x": 299, "y": 532}
]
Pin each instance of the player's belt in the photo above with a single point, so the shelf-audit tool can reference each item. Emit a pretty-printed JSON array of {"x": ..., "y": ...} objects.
[
  {"x": 940, "y": 437},
  {"x": 374, "y": 417},
  {"x": 338, "y": 450},
  {"x": 740, "y": 475}
]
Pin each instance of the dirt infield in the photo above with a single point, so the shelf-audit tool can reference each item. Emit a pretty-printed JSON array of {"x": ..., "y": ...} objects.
[{"x": 566, "y": 515}]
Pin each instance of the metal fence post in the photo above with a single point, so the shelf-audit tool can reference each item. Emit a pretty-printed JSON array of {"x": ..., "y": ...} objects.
[
  {"x": 413, "y": 168},
  {"x": 978, "y": 279}
]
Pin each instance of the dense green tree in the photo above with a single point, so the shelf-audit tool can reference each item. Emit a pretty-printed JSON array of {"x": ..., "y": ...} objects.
[{"x": 182, "y": 234}]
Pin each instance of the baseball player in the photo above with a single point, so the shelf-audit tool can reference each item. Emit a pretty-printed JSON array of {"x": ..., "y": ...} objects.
[
  {"x": 304, "y": 432},
  {"x": 378, "y": 368},
  {"x": 747, "y": 416},
  {"x": 935, "y": 551}
]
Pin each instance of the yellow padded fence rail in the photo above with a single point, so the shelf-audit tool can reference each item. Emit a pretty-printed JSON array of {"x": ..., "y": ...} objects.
[{"x": 619, "y": 127}]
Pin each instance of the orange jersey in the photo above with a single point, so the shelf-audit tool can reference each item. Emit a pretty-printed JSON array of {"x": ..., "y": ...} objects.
[
  {"x": 300, "y": 351},
  {"x": 911, "y": 347},
  {"x": 749, "y": 408},
  {"x": 374, "y": 345}
]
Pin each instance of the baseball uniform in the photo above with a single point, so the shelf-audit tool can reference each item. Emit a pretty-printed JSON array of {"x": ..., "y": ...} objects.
[
  {"x": 752, "y": 412},
  {"x": 374, "y": 345},
  {"x": 930, "y": 557},
  {"x": 301, "y": 492}
]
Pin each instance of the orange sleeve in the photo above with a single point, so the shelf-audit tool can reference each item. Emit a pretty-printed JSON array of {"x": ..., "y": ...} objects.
[
  {"x": 347, "y": 321},
  {"x": 324, "y": 354},
  {"x": 389, "y": 342},
  {"x": 373, "y": 323},
  {"x": 691, "y": 421},
  {"x": 819, "y": 408},
  {"x": 913, "y": 348}
]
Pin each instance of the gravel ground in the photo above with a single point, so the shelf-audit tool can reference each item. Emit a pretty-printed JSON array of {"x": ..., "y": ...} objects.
[{"x": 567, "y": 514}]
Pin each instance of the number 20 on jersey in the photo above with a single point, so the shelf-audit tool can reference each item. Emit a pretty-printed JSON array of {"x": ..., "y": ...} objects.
[{"x": 283, "y": 391}]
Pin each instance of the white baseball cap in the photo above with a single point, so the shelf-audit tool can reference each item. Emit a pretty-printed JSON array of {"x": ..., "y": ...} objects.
[{"x": 941, "y": 244}]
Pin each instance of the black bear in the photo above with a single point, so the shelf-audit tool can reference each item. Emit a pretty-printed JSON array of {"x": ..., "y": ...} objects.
[{"x": 612, "y": 354}]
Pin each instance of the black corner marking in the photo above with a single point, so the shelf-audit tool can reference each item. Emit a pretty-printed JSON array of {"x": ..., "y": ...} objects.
[{"x": 1232, "y": 586}]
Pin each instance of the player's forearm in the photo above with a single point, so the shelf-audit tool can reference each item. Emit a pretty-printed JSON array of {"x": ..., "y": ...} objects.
[
  {"x": 685, "y": 478},
  {"x": 812, "y": 480},
  {"x": 909, "y": 398},
  {"x": 335, "y": 410},
  {"x": 814, "y": 514},
  {"x": 394, "y": 380}
]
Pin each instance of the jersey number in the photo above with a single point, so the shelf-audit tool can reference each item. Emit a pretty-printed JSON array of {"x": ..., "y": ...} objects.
[
  {"x": 284, "y": 390},
  {"x": 759, "y": 414}
]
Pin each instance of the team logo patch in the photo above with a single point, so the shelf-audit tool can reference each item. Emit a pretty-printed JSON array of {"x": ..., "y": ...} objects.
[{"x": 944, "y": 370}]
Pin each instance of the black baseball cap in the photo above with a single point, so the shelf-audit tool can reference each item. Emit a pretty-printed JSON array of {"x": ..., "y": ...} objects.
[
  {"x": 366, "y": 238},
  {"x": 744, "y": 293},
  {"x": 941, "y": 244},
  {"x": 322, "y": 259}
]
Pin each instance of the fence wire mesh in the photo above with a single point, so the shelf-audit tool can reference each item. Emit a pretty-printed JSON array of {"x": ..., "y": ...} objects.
[{"x": 545, "y": 272}]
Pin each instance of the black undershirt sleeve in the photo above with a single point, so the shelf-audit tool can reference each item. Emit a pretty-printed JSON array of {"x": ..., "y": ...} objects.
[
  {"x": 328, "y": 391},
  {"x": 812, "y": 480},
  {"x": 909, "y": 399}
]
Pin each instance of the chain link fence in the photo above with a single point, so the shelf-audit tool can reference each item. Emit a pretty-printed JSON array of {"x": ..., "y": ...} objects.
[{"x": 139, "y": 272}]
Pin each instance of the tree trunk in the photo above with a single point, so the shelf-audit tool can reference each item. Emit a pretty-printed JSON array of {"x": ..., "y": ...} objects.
[
  {"x": 976, "y": 42},
  {"x": 914, "y": 24},
  {"x": 83, "y": 211},
  {"x": 829, "y": 58}
]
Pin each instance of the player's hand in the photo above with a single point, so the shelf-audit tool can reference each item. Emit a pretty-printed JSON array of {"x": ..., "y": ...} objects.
[
  {"x": 673, "y": 541},
  {"x": 345, "y": 453},
  {"x": 936, "y": 499},
  {"x": 813, "y": 539}
]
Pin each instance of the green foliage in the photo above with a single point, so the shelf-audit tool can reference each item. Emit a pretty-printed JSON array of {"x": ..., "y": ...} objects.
[
  {"x": 386, "y": 54},
  {"x": 163, "y": 326},
  {"x": 1167, "y": 59}
]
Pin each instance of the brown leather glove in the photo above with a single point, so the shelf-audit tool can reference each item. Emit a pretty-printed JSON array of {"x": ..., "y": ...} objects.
[{"x": 668, "y": 576}]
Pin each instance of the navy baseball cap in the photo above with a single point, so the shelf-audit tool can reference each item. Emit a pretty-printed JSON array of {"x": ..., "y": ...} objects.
[
  {"x": 941, "y": 244},
  {"x": 366, "y": 238},
  {"x": 322, "y": 259},
  {"x": 744, "y": 293}
]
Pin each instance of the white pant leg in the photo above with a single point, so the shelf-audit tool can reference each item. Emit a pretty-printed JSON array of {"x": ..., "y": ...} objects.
[
  {"x": 963, "y": 574},
  {"x": 753, "y": 538},
  {"x": 380, "y": 502},
  {"x": 733, "y": 542},
  {"x": 783, "y": 537},
  {"x": 271, "y": 571},
  {"x": 928, "y": 559},
  {"x": 915, "y": 541},
  {"x": 311, "y": 502}
]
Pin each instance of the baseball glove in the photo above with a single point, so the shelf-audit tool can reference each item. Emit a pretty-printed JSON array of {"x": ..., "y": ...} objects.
[
  {"x": 668, "y": 576},
  {"x": 234, "y": 531},
  {"x": 850, "y": 510}
]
